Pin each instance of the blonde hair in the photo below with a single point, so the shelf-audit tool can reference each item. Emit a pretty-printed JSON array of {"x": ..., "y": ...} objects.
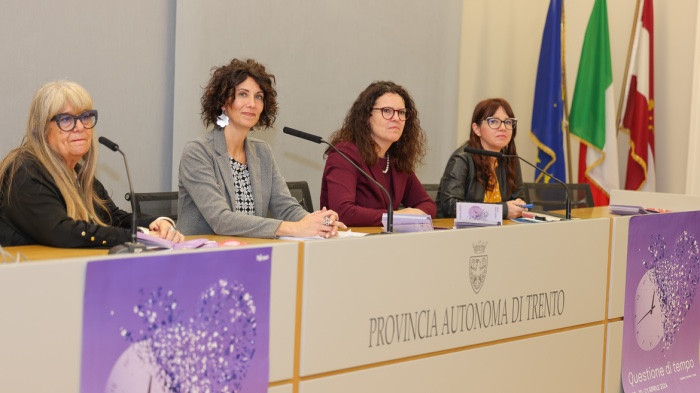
[{"x": 48, "y": 101}]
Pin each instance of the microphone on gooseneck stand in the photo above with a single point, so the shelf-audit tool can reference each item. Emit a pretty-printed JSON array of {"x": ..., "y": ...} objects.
[
  {"x": 133, "y": 246},
  {"x": 501, "y": 155},
  {"x": 482, "y": 152},
  {"x": 318, "y": 139}
]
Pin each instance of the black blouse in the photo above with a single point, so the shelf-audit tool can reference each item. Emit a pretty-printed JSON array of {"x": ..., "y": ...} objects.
[{"x": 36, "y": 214}]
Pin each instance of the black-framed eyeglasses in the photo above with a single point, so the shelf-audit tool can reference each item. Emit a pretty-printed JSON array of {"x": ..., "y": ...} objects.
[
  {"x": 66, "y": 122},
  {"x": 388, "y": 113},
  {"x": 495, "y": 122}
]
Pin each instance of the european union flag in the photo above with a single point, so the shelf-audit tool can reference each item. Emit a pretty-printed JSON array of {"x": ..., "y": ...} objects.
[{"x": 548, "y": 107}]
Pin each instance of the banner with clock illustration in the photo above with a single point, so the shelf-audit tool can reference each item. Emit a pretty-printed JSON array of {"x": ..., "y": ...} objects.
[
  {"x": 661, "y": 333},
  {"x": 177, "y": 323}
]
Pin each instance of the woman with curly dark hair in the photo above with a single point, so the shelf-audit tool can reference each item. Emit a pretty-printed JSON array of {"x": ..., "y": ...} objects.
[
  {"x": 229, "y": 183},
  {"x": 480, "y": 178},
  {"x": 382, "y": 134}
]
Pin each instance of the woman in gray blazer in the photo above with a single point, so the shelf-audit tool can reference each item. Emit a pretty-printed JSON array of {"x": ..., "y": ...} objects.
[{"x": 229, "y": 183}]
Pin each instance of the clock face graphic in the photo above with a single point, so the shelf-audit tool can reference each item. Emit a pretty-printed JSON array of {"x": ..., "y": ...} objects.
[{"x": 648, "y": 317}]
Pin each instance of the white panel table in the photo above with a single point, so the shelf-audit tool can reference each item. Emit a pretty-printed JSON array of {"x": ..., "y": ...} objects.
[{"x": 395, "y": 298}]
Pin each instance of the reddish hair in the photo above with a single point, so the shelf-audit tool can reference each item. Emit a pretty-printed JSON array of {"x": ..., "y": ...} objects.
[{"x": 484, "y": 109}]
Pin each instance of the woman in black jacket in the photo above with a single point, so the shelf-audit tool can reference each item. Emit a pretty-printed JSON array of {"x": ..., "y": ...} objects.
[
  {"x": 481, "y": 178},
  {"x": 48, "y": 191}
]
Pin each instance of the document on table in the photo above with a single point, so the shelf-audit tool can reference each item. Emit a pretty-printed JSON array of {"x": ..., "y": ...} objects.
[
  {"x": 341, "y": 234},
  {"x": 410, "y": 223}
]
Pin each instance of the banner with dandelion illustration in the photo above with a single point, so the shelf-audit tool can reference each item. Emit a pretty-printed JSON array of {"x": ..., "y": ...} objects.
[
  {"x": 196, "y": 322},
  {"x": 661, "y": 329}
]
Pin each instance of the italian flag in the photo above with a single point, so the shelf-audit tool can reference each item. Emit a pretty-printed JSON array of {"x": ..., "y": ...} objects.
[
  {"x": 592, "y": 116},
  {"x": 638, "y": 118}
]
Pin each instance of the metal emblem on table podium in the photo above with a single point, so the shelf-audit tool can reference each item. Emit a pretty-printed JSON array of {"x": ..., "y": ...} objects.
[{"x": 478, "y": 265}]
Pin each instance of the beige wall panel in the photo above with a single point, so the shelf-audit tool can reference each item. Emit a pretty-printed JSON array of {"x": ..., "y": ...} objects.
[
  {"x": 613, "y": 358},
  {"x": 561, "y": 362},
  {"x": 618, "y": 266}
]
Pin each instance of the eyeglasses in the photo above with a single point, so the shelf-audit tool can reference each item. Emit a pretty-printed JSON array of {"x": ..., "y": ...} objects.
[
  {"x": 66, "y": 122},
  {"x": 388, "y": 113},
  {"x": 495, "y": 122}
]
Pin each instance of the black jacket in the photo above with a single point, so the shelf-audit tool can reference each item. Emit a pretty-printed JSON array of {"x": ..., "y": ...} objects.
[
  {"x": 459, "y": 184},
  {"x": 36, "y": 214}
]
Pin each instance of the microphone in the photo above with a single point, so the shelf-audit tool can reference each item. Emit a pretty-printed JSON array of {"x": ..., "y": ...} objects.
[
  {"x": 501, "y": 155},
  {"x": 111, "y": 145},
  {"x": 483, "y": 152},
  {"x": 318, "y": 139},
  {"x": 134, "y": 246},
  {"x": 305, "y": 135}
]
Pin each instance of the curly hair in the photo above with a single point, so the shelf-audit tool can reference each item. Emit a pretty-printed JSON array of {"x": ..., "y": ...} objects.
[
  {"x": 483, "y": 110},
  {"x": 221, "y": 90},
  {"x": 406, "y": 153}
]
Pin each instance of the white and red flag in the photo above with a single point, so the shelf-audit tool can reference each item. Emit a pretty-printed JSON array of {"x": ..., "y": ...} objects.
[{"x": 638, "y": 104}]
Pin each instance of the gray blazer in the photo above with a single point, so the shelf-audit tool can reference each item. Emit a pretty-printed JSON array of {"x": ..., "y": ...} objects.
[{"x": 207, "y": 196}]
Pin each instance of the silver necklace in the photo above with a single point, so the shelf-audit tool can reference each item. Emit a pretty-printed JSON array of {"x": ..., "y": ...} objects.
[{"x": 385, "y": 170}]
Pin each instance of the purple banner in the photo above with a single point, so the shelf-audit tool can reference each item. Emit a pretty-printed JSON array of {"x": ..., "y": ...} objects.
[
  {"x": 195, "y": 322},
  {"x": 661, "y": 333}
]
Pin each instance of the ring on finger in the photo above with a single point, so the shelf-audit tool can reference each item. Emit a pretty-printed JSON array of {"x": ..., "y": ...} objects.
[
  {"x": 172, "y": 229},
  {"x": 327, "y": 221}
]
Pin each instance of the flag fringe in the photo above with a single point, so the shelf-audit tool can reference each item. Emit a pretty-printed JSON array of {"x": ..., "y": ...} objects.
[
  {"x": 594, "y": 164},
  {"x": 548, "y": 151},
  {"x": 639, "y": 160}
]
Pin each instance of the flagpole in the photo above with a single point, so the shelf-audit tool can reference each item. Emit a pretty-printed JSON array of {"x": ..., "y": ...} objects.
[
  {"x": 565, "y": 120},
  {"x": 625, "y": 86}
]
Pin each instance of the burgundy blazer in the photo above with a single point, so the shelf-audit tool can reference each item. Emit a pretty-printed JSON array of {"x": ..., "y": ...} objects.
[{"x": 357, "y": 200}]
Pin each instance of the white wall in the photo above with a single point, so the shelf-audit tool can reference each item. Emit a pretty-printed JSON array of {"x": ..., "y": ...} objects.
[
  {"x": 675, "y": 23},
  {"x": 121, "y": 52},
  {"x": 323, "y": 54},
  {"x": 693, "y": 176}
]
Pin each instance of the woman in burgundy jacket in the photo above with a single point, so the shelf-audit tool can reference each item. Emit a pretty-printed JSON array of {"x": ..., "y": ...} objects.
[{"x": 382, "y": 135}]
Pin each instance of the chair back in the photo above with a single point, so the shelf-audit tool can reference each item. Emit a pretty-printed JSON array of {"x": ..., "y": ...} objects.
[
  {"x": 432, "y": 190},
  {"x": 159, "y": 204},
  {"x": 300, "y": 191},
  {"x": 551, "y": 196}
]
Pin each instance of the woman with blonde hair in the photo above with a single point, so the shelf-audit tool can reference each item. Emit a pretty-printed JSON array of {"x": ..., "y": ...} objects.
[{"x": 49, "y": 194}]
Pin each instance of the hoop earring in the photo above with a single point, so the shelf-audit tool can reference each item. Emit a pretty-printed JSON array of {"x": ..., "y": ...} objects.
[{"x": 222, "y": 120}]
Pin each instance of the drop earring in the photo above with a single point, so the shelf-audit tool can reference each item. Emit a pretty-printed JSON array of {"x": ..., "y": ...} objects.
[{"x": 222, "y": 120}]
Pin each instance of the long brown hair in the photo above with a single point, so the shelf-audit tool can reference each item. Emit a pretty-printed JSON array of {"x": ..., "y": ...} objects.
[
  {"x": 406, "y": 153},
  {"x": 483, "y": 110},
  {"x": 48, "y": 101}
]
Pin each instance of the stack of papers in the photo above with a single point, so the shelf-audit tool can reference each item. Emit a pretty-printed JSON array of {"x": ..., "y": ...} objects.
[
  {"x": 410, "y": 222},
  {"x": 478, "y": 214},
  {"x": 341, "y": 234},
  {"x": 156, "y": 243}
]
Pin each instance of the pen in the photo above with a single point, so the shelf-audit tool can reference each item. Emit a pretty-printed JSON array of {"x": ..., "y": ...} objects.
[{"x": 526, "y": 206}]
